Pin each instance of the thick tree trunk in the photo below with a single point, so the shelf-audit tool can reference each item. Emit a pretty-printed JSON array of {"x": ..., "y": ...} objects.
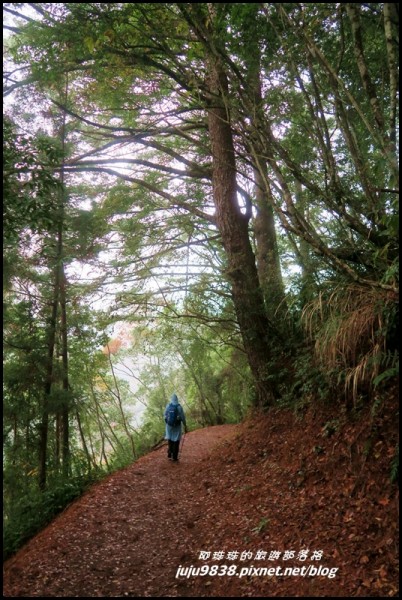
[
  {"x": 268, "y": 265},
  {"x": 233, "y": 227}
]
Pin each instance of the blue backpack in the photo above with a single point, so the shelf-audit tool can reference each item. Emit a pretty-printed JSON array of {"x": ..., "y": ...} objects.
[{"x": 172, "y": 416}]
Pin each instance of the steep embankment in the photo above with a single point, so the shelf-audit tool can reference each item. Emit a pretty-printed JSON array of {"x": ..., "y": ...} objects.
[
  {"x": 280, "y": 483},
  {"x": 311, "y": 482}
]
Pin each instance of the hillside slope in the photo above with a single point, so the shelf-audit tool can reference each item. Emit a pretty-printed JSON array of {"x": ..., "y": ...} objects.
[{"x": 312, "y": 485}]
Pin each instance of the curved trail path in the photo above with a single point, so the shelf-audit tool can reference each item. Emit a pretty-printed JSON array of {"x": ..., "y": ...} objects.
[{"x": 127, "y": 535}]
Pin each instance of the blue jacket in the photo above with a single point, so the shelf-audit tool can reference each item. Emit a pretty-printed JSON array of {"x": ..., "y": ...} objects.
[{"x": 174, "y": 432}]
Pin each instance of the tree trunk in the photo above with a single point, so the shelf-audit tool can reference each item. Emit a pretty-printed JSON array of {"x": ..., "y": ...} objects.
[
  {"x": 391, "y": 27},
  {"x": 65, "y": 442},
  {"x": 65, "y": 434},
  {"x": 268, "y": 265},
  {"x": 83, "y": 442},
  {"x": 44, "y": 425},
  {"x": 233, "y": 226}
]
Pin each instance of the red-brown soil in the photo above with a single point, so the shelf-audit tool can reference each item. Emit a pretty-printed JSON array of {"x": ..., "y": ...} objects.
[{"x": 282, "y": 481}]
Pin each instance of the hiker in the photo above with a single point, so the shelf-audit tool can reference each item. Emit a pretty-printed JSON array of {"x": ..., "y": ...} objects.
[{"x": 174, "y": 417}]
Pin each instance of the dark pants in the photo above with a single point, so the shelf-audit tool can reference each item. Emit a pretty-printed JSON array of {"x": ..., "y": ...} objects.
[{"x": 173, "y": 449}]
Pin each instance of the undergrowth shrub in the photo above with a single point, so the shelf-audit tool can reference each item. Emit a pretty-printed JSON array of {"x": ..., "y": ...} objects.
[
  {"x": 350, "y": 328},
  {"x": 33, "y": 510},
  {"x": 30, "y": 513}
]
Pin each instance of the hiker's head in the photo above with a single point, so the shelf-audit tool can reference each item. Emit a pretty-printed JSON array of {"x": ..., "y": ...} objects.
[{"x": 174, "y": 399}]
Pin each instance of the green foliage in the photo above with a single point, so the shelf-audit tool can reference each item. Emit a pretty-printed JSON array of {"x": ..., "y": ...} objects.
[
  {"x": 29, "y": 184},
  {"x": 309, "y": 383},
  {"x": 30, "y": 513},
  {"x": 261, "y": 525},
  {"x": 123, "y": 456},
  {"x": 388, "y": 374}
]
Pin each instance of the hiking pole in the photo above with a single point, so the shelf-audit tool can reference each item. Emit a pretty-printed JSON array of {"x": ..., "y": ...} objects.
[{"x": 182, "y": 443}]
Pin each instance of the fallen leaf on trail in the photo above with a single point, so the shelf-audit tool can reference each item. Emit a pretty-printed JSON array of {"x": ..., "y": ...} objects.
[{"x": 384, "y": 501}]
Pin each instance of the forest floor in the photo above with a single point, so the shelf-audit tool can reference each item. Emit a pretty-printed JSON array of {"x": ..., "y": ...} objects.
[{"x": 286, "y": 489}]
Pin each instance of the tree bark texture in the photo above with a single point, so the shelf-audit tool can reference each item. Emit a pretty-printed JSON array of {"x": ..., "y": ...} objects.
[
  {"x": 233, "y": 226},
  {"x": 269, "y": 269}
]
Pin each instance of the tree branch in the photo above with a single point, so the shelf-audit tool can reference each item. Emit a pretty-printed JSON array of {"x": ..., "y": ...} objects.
[{"x": 174, "y": 201}]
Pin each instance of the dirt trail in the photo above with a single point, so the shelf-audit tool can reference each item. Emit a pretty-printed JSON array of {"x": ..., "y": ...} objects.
[
  {"x": 126, "y": 536},
  {"x": 244, "y": 498}
]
